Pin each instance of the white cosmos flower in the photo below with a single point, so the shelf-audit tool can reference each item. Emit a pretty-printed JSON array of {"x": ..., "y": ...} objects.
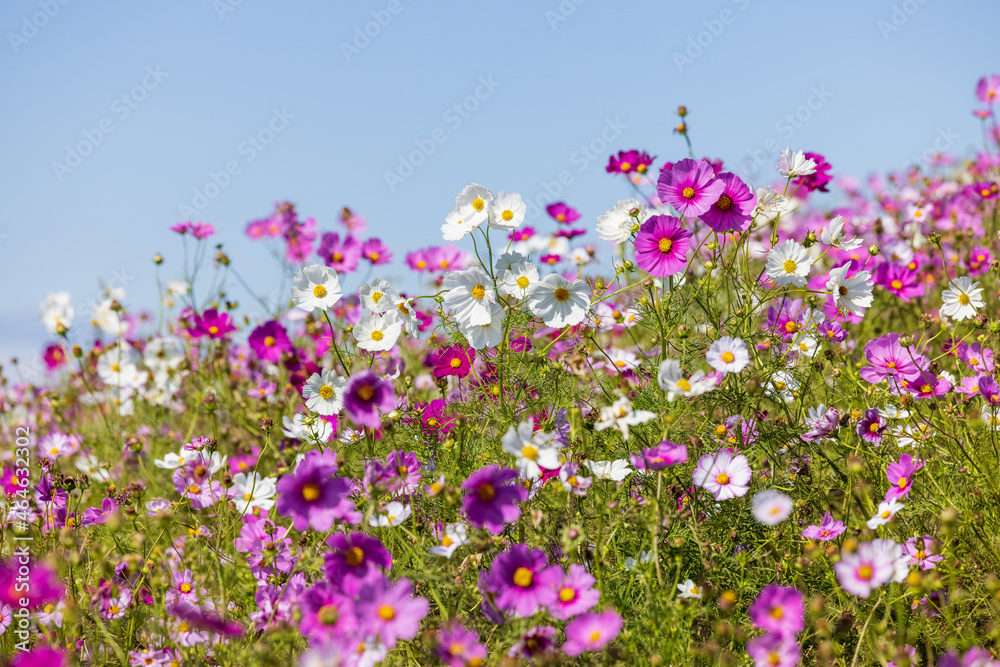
[
  {"x": 378, "y": 333},
  {"x": 644, "y": 557},
  {"x": 455, "y": 227},
  {"x": 961, "y": 299},
  {"x": 621, "y": 416},
  {"x": 470, "y": 295},
  {"x": 616, "y": 224},
  {"x": 782, "y": 385},
  {"x": 507, "y": 211},
  {"x": 771, "y": 507},
  {"x": 991, "y": 417},
  {"x": 851, "y": 294},
  {"x": 506, "y": 262},
  {"x": 834, "y": 235},
  {"x": 532, "y": 450},
  {"x": 884, "y": 513},
  {"x": 57, "y": 313},
  {"x": 307, "y": 428},
  {"x": 792, "y": 164},
  {"x": 788, "y": 264},
  {"x": 580, "y": 256},
  {"x": 163, "y": 354},
  {"x": 558, "y": 301},
  {"x": 172, "y": 461},
  {"x": 315, "y": 286},
  {"x": 728, "y": 355},
  {"x": 117, "y": 366},
  {"x": 89, "y": 465},
  {"x": 614, "y": 471},
  {"x": 407, "y": 316},
  {"x": 672, "y": 381},
  {"x": 473, "y": 204},
  {"x": 516, "y": 280},
  {"x": 324, "y": 392},
  {"x": 689, "y": 589},
  {"x": 395, "y": 514},
  {"x": 377, "y": 296},
  {"x": 108, "y": 319},
  {"x": 253, "y": 490},
  {"x": 455, "y": 535},
  {"x": 770, "y": 202},
  {"x": 481, "y": 336}
]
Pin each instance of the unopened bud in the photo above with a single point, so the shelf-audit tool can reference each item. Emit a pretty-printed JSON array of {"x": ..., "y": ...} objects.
[
  {"x": 158, "y": 259},
  {"x": 682, "y": 111},
  {"x": 874, "y": 249}
]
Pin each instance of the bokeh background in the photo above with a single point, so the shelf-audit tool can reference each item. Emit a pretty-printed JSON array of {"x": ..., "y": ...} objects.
[{"x": 167, "y": 93}]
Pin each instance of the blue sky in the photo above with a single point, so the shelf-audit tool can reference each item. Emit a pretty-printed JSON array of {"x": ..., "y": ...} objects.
[{"x": 166, "y": 94}]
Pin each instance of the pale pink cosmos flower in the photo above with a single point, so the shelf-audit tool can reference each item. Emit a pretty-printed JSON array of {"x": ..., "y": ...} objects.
[{"x": 723, "y": 474}]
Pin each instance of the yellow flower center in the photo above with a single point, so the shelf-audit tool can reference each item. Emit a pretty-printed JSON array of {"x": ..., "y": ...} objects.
[
  {"x": 665, "y": 245},
  {"x": 455, "y": 363},
  {"x": 963, "y": 299},
  {"x": 625, "y": 166},
  {"x": 376, "y": 296},
  {"x": 688, "y": 193},
  {"x": 447, "y": 541},
  {"x": 902, "y": 482},
  {"x": 684, "y": 385},
  {"x": 269, "y": 341},
  {"x": 478, "y": 203},
  {"x": 865, "y": 572},
  {"x": 326, "y": 392},
  {"x": 920, "y": 555},
  {"x": 722, "y": 478},
  {"x": 896, "y": 284},
  {"x": 925, "y": 389},
  {"x": 561, "y": 294},
  {"x": 213, "y": 330},
  {"x": 567, "y": 594},
  {"x": 507, "y": 215},
  {"x": 594, "y": 636},
  {"x": 310, "y": 492},
  {"x": 777, "y": 613},
  {"x": 522, "y": 282},
  {"x": 529, "y": 453},
  {"x": 377, "y": 335},
  {"x": 478, "y": 292},
  {"x": 886, "y": 514},
  {"x": 724, "y": 202},
  {"x": 354, "y": 556},
  {"x": 728, "y": 357},
  {"x": 486, "y": 492},
  {"x": 789, "y": 266},
  {"x": 366, "y": 392},
  {"x": 185, "y": 587},
  {"x": 328, "y": 614},
  {"x": 386, "y": 613},
  {"x": 523, "y": 577},
  {"x": 319, "y": 291},
  {"x": 873, "y": 427}
]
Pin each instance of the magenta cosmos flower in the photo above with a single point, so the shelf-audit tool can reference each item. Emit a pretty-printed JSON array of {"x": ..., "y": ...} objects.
[
  {"x": 575, "y": 595},
  {"x": 871, "y": 427},
  {"x": 522, "y": 581},
  {"x": 918, "y": 550},
  {"x": 366, "y": 396},
  {"x": 778, "y": 609},
  {"x": 659, "y": 457},
  {"x": 901, "y": 475},
  {"x": 774, "y": 650},
  {"x": 355, "y": 559},
  {"x": 342, "y": 257},
  {"x": 690, "y": 187},
  {"x": 390, "y": 610},
  {"x": 452, "y": 360},
  {"x": 39, "y": 587},
  {"x": 269, "y": 341},
  {"x": 827, "y": 530},
  {"x": 562, "y": 213},
  {"x": 458, "y": 647},
  {"x": 988, "y": 89},
  {"x": 733, "y": 211},
  {"x": 899, "y": 280},
  {"x": 326, "y": 612},
  {"x": 819, "y": 179},
  {"x": 213, "y": 324},
  {"x": 591, "y": 632},
  {"x": 491, "y": 499},
  {"x": 723, "y": 474},
  {"x": 311, "y": 494},
  {"x": 661, "y": 246},
  {"x": 889, "y": 359}
]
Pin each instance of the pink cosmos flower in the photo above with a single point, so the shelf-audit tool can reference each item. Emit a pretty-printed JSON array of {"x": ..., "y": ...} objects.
[
  {"x": 862, "y": 571},
  {"x": 562, "y": 213},
  {"x": 376, "y": 252},
  {"x": 417, "y": 260},
  {"x": 661, "y": 246},
  {"x": 918, "y": 550},
  {"x": 575, "y": 595},
  {"x": 390, "y": 610},
  {"x": 269, "y": 341},
  {"x": 889, "y": 359},
  {"x": 899, "y": 280},
  {"x": 774, "y": 650},
  {"x": 827, "y": 530},
  {"x": 54, "y": 356},
  {"x": 901, "y": 475},
  {"x": 213, "y": 324},
  {"x": 341, "y": 256},
  {"x": 733, "y": 211},
  {"x": 591, "y": 632},
  {"x": 988, "y": 89},
  {"x": 690, "y": 187},
  {"x": 723, "y": 474},
  {"x": 779, "y": 610}
]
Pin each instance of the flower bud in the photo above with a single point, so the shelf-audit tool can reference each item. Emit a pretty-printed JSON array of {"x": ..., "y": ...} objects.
[
  {"x": 682, "y": 111},
  {"x": 874, "y": 249}
]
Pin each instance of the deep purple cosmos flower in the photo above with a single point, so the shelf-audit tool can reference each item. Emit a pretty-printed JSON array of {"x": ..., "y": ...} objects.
[
  {"x": 213, "y": 324},
  {"x": 871, "y": 427},
  {"x": 690, "y": 187},
  {"x": 355, "y": 559},
  {"x": 40, "y": 586},
  {"x": 899, "y": 280},
  {"x": 733, "y": 211},
  {"x": 342, "y": 257},
  {"x": 326, "y": 612},
  {"x": 778, "y": 609},
  {"x": 538, "y": 641},
  {"x": 366, "y": 397},
  {"x": 819, "y": 179},
  {"x": 562, "y": 213},
  {"x": 523, "y": 581},
  {"x": 92, "y": 515},
  {"x": 454, "y": 360},
  {"x": 659, "y": 457},
  {"x": 269, "y": 341},
  {"x": 928, "y": 385},
  {"x": 827, "y": 530},
  {"x": 591, "y": 632},
  {"x": 389, "y": 610},
  {"x": 491, "y": 499},
  {"x": 661, "y": 246},
  {"x": 575, "y": 595},
  {"x": 311, "y": 494}
]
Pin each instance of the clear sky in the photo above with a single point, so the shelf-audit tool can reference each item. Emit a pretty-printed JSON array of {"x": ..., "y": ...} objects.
[{"x": 164, "y": 94}]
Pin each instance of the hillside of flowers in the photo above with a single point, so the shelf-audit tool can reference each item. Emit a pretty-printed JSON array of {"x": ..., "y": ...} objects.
[{"x": 719, "y": 423}]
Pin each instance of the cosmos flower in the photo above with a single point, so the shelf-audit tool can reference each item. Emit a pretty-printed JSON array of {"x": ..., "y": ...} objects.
[
  {"x": 269, "y": 341},
  {"x": 390, "y": 610},
  {"x": 591, "y": 632},
  {"x": 690, "y": 187},
  {"x": 792, "y": 164},
  {"x": 661, "y": 246},
  {"x": 728, "y": 355},
  {"x": 491, "y": 500},
  {"x": 961, "y": 300},
  {"x": 523, "y": 581},
  {"x": 788, "y": 263},
  {"x": 827, "y": 530},
  {"x": 723, "y": 474},
  {"x": 771, "y": 507},
  {"x": 311, "y": 494},
  {"x": 778, "y": 609},
  {"x": 366, "y": 397},
  {"x": 315, "y": 286},
  {"x": 733, "y": 211},
  {"x": 559, "y": 302}
]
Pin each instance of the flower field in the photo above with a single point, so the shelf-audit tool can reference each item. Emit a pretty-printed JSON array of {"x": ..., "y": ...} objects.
[{"x": 718, "y": 424}]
